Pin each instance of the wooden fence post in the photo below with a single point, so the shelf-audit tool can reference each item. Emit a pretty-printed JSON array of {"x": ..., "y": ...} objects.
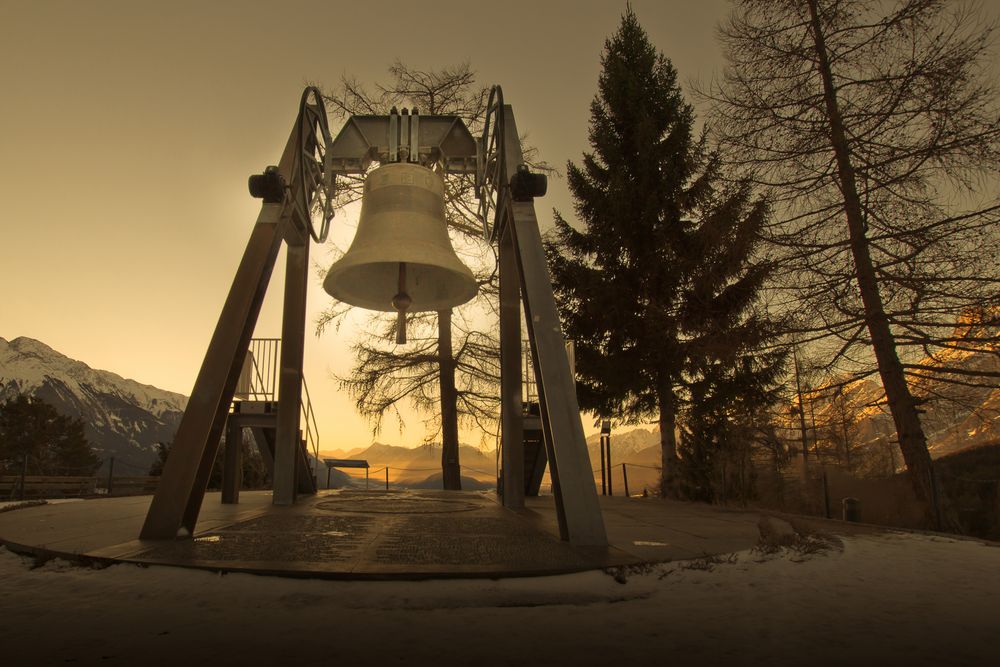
[
  {"x": 826, "y": 494},
  {"x": 24, "y": 473},
  {"x": 111, "y": 476}
]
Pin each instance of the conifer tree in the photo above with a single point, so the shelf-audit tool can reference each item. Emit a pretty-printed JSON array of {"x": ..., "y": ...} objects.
[
  {"x": 54, "y": 444},
  {"x": 658, "y": 290}
]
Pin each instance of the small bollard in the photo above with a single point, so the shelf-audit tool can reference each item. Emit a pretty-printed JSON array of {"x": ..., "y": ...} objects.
[{"x": 852, "y": 509}]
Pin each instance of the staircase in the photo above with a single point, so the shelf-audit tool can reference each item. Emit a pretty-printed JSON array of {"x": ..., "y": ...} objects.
[
  {"x": 255, "y": 406},
  {"x": 535, "y": 458},
  {"x": 534, "y": 448}
]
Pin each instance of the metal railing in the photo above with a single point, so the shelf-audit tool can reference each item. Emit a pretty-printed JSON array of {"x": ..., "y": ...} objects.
[
  {"x": 309, "y": 429},
  {"x": 529, "y": 387},
  {"x": 259, "y": 382},
  {"x": 259, "y": 377}
]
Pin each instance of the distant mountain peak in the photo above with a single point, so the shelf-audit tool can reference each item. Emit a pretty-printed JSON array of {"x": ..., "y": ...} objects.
[{"x": 124, "y": 418}]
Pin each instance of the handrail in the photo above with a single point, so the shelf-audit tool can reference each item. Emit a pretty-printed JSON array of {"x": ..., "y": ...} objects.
[
  {"x": 267, "y": 351},
  {"x": 530, "y": 394},
  {"x": 264, "y": 356},
  {"x": 256, "y": 370},
  {"x": 309, "y": 428}
]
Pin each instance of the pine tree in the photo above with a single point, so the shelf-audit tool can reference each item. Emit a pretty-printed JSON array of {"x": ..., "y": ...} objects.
[
  {"x": 53, "y": 443},
  {"x": 728, "y": 421},
  {"x": 659, "y": 288},
  {"x": 162, "y": 452}
]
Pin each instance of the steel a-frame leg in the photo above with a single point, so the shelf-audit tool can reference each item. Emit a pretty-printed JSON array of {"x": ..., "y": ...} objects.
[
  {"x": 293, "y": 324},
  {"x": 182, "y": 486},
  {"x": 232, "y": 468},
  {"x": 580, "y": 520},
  {"x": 511, "y": 403},
  {"x": 179, "y": 494}
]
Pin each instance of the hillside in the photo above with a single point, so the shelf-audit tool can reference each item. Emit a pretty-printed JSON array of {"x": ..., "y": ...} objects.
[
  {"x": 123, "y": 418},
  {"x": 416, "y": 467}
]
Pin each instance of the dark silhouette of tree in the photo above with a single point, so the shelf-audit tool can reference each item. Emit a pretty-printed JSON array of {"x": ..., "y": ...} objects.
[
  {"x": 254, "y": 469},
  {"x": 658, "y": 290},
  {"x": 728, "y": 424},
  {"x": 54, "y": 444},
  {"x": 162, "y": 452},
  {"x": 875, "y": 127}
]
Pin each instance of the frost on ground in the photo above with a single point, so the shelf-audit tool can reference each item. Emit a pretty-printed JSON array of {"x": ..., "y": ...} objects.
[{"x": 890, "y": 598}]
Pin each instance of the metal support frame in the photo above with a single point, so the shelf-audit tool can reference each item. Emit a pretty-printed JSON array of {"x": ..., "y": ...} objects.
[
  {"x": 290, "y": 373},
  {"x": 179, "y": 495},
  {"x": 185, "y": 474},
  {"x": 577, "y": 507},
  {"x": 232, "y": 467},
  {"x": 523, "y": 276},
  {"x": 511, "y": 407}
]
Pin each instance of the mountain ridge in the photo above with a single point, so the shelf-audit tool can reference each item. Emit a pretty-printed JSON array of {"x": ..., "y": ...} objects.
[{"x": 122, "y": 417}]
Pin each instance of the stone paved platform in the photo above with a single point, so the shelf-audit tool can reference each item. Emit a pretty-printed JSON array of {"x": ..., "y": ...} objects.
[{"x": 378, "y": 534}]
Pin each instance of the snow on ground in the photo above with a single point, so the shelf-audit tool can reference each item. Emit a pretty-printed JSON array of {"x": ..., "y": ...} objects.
[
  {"x": 8, "y": 505},
  {"x": 893, "y": 598}
]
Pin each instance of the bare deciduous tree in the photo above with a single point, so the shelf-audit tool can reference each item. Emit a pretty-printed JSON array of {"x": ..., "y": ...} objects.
[{"x": 875, "y": 128}]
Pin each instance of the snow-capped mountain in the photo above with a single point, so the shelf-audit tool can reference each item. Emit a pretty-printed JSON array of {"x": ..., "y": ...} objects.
[
  {"x": 627, "y": 445},
  {"x": 123, "y": 418},
  {"x": 958, "y": 410}
]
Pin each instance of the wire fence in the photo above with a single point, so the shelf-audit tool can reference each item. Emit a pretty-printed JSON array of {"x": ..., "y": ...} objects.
[
  {"x": 608, "y": 475},
  {"x": 389, "y": 476},
  {"x": 33, "y": 479},
  {"x": 617, "y": 478},
  {"x": 83, "y": 481}
]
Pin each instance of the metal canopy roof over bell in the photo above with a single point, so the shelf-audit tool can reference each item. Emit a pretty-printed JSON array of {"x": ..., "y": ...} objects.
[{"x": 401, "y": 247}]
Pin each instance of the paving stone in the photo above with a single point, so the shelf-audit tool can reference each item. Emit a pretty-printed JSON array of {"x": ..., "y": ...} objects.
[{"x": 409, "y": 534}]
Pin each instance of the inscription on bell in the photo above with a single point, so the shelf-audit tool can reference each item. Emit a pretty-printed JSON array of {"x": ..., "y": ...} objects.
[{"x": 427, "y": 180}]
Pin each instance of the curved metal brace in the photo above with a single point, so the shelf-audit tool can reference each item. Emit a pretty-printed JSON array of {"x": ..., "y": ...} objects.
[
  {"x": 491, "y": 173},
  {"x": 312, "y": 180}
]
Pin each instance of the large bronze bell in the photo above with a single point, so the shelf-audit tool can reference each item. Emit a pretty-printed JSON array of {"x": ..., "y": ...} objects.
[{"x": 401, "y": 258}]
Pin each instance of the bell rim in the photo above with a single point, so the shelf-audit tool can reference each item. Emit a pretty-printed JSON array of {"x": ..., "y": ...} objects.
[{"x": 469, "y": 288}]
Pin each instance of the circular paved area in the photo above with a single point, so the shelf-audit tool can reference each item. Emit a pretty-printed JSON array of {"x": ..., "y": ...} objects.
[{"x": 379, "y": 535}]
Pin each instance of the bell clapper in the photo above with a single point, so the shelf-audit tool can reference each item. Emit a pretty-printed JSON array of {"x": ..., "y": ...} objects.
[{"x": 401, "y": 302}]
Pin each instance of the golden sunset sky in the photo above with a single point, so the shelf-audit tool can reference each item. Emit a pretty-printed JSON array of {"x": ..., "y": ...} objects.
[{"x": 130, "y": 128}]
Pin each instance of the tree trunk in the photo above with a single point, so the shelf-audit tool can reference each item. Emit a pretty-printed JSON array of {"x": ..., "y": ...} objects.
[
  {"x": 902, "y": 405},
  {"x": 668, "y": 440},
  {"x": 844, "y": 428},
  {"x": 451, "y": 471},
  {"x": 802, "y": 409}
]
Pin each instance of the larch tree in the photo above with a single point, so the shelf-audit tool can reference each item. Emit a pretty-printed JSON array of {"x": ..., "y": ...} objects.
[
  {"x": 657, "y": 290},
  {"x": 875, "y": 127}
]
